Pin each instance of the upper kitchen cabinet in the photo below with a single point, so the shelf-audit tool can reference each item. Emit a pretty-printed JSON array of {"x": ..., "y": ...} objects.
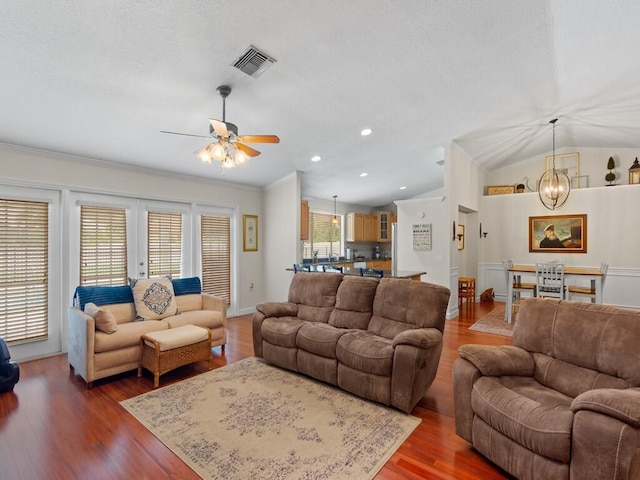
[
  {"x": 383, "y": 226},
  {"x": 360, "y": 227},
  {"x": 304, "y": 220}
]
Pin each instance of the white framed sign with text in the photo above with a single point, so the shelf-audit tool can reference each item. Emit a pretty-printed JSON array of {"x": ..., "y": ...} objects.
[{"x": 421, "y": 236}]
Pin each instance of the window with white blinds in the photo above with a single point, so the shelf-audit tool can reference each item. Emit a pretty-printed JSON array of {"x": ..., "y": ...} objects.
[
  {"x": 164, "y": 244},
  {"x": 325, "y": 236},
  {"x": 24, "y": 265},
  {"x": 103, "y": 246},
  {"x": 215, "y": 242}
]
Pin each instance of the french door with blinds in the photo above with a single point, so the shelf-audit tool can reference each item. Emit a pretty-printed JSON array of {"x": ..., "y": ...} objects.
[{"x": 121, "y": 238}]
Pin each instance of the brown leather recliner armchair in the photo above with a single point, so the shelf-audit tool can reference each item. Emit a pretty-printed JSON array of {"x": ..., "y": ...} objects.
[{"x": 564, "y": 401}]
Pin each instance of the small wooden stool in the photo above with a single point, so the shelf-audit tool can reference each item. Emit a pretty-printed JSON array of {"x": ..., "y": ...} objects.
[
  {"x": 466, "y": 289},
  {"x": 162, "y": 351}
]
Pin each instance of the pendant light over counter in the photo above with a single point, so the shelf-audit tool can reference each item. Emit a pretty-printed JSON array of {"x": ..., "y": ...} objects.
[
  {"x": 554, "y": 185},
  {"x": 334, "y": 220}
]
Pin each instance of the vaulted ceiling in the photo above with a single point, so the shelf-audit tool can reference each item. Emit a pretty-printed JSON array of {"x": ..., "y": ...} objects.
[{"x": 102, "y": 79}]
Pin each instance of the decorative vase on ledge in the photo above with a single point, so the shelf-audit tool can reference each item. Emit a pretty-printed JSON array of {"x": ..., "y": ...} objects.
[{"x": 610, "y": 177}]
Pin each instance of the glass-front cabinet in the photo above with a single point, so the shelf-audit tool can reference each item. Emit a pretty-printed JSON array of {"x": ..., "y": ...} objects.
[{"x": 384, "y": 226}]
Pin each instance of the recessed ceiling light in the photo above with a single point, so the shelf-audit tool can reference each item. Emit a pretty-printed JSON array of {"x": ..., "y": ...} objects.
[
  {"x": 364, "y": 174},
  {"x": 316, "y": 158},
  {"x": 365, "y": 132},
  {"x": 403, "y": 188}
]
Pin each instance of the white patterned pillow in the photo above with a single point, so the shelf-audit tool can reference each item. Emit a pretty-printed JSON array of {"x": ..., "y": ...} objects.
[{"x": 153, "y": 298}]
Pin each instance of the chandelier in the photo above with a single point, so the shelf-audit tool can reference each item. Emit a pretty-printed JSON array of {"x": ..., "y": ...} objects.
[{"x": 554, "y": 185}]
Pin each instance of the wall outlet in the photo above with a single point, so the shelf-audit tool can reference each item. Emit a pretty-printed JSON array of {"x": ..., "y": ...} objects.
[{"x": 439, "y": 258}]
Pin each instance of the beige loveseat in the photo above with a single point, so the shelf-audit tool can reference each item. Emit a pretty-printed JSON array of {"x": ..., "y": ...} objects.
[
  {"x": 379, "y": 339},
  {"x": 562, "y": 402},
  {"x": 95, "y": 354}
]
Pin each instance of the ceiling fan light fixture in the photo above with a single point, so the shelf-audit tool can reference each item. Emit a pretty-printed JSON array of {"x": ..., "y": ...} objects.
[
  {"x": 228, "y": 161},
  {"x": 241, "y": 157},
  {"x": 205, "y": 155},
  {"x": 218, "y": 151}
]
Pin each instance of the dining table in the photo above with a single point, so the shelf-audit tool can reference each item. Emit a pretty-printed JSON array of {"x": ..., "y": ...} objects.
[{"x": 594, "y": 274}]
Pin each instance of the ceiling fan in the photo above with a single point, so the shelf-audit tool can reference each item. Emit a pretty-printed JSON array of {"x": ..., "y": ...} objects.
[{"x": 228, "y": 147}]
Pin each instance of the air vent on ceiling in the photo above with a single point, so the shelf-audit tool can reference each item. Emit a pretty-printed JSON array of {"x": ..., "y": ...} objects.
[{"x": 253, "y": 62}]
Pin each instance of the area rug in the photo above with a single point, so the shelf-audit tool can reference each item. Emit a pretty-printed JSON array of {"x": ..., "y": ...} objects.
[
  {"x": 252, "y": 420},
  {"x": 494, "y": 322}
]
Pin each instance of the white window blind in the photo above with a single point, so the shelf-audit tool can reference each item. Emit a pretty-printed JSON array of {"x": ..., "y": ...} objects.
[
  {"x": 325, "y": 236},
  {"x": 24, "y": 264},
  {"x": 216, "y": 255},
  {"x": 164, "y": 244},
  {"x": 103, "y": 246}
]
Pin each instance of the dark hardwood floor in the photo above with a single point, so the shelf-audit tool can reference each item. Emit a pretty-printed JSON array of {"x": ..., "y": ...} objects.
[{"x": 52, "y": 427}]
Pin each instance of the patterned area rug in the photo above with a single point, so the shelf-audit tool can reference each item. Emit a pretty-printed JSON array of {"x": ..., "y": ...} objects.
[
  {"x": 494, "y": 322},
  {"x": 252, "y": 420}
]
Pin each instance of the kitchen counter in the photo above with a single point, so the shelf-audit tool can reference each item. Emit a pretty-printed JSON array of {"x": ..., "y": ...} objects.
[{"x": 385, "y": 273}]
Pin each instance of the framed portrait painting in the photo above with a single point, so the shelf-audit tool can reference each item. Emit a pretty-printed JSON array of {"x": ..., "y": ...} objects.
[
  {"x": 558, "y": 233},
  {"x": 250, "y": 233}
]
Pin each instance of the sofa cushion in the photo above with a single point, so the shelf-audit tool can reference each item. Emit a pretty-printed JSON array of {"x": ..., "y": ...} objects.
[
  {"x": 607, "y": 342},
  {"x": 199, "y": 318},
  {"x": 366, "y": 352},
  {"x": 532, "y": 415},
  {"x": 128, "y": 335},
  {"x": 319, "y": 338},
  {"x": 354, "y": 302},
  {"x": 105, "y": 320},
  {"x": 402, "y": 304},
  {"x": 153, "y": 298},
  {"x": 281, "y": 331},
  {"x": 315, "y": 293},
  {"x": 187, "y": 303}
]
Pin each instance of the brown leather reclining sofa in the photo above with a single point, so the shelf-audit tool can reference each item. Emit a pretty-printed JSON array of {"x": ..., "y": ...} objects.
[
  {"x": 563, "y": 402},
  {"x": 379, "y": 339}
]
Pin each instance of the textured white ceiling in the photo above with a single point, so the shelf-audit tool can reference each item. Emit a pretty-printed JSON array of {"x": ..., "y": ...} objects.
[{"x": 101, "y": 79}]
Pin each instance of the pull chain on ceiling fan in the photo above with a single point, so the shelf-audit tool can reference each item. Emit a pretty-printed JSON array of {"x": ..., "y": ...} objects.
[{"x": 228, "y": 148}]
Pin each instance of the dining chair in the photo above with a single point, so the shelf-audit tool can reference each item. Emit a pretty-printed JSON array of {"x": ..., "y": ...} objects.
[
  {"x": 301, "y": 267},
  {"x": 332, "y": 268},
  {"x": 517, "y": 287},
  {"x": 550, "y": 280},
  {"x": 371, "y": 272},
  {"x": 577, "y": 290}
]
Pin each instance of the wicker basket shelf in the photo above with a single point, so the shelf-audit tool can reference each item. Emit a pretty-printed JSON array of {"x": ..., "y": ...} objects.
[{"x": 160, "y": 362}]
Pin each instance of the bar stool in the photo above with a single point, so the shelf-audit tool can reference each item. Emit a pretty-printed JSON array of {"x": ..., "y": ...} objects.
[{"x": 466, "y": 289}]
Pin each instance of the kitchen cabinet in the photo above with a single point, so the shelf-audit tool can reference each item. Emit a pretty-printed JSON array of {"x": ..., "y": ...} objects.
[
  {"x": 383, "y": 226},
  {"x": 379, "y": 264},
  {"x": 304, "y": 220},
  {"x": 370, "y": 228},
  {"x": 360, "y": 227}
]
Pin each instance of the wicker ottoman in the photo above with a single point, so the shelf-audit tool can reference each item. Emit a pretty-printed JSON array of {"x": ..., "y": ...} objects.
[{"x": 161, "y": 352}]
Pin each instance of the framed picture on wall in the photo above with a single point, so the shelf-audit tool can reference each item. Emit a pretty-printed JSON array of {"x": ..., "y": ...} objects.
[
  {"x": 250, "y": 233},
  {"x": 558, "y": 233}
]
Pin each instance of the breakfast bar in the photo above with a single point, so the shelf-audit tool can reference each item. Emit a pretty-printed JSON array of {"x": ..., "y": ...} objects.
[{"x": 413, "y": 275}]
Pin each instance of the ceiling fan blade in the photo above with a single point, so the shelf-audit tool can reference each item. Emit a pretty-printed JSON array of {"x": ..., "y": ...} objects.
[
  {"x": 259, "y": 138},
  {"x": 246, "y": 149},
  {"x": 219, "y": 127},
  {"x": 185, "y": 134}
]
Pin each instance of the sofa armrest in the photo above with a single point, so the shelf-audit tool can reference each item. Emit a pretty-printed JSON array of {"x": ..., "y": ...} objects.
[
  {"x": 419, "y": 337},
  {"x": 278, "y": 309},
  {"x": 81, "y": 344},
  {"x": 498, "y": 360},
  {"x": 216, "y": 304},
  {"x": 623, "y": 404}
]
